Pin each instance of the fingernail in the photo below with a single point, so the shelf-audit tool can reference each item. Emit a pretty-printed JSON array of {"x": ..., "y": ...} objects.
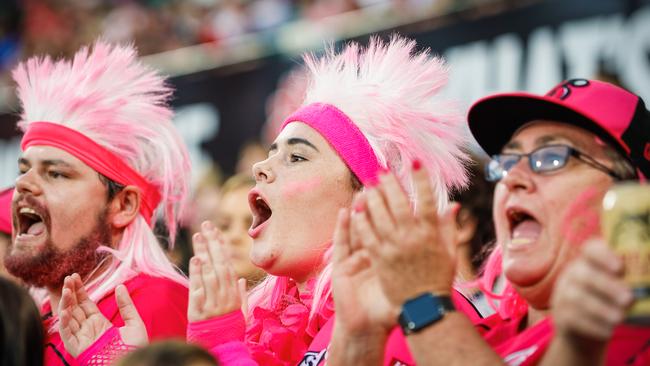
[
  {"x": 417, "y": 164},
  {"x": 359, "y": 206}
]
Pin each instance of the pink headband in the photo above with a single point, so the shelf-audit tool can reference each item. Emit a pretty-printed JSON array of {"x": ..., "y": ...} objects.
[
  {"x": 95, "y": 156},
  {"x": 344, "y": 136}
]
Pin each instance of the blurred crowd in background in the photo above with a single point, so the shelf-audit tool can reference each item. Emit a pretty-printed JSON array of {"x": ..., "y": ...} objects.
[{"x": 60, "y": 27}]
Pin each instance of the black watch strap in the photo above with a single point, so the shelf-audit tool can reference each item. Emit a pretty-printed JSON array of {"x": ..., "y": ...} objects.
[{"x": 424, "y": 310}]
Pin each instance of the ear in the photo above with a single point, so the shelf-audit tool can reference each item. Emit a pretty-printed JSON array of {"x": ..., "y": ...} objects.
[
  {"x": 466, "y": 223},
  {"x": 125, "y": 207}
]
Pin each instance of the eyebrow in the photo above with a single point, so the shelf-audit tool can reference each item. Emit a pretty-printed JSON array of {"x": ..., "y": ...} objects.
[
  {"x": 47, "y": 162},
  {"x": 540, "y": 141},
  {"x": 295, "y": 141}
]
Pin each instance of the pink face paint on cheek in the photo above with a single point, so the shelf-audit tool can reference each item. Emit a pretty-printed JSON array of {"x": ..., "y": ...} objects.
[
  {"x": 582, "y": 220},
  {"x": 297, "y": 188}
]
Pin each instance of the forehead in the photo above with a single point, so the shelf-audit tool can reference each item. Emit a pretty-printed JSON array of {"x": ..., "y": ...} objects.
[
  {"x": 34, "y": 155},
  {"x": 301, "y": 130},
  {"x": 543, "y": 132}
]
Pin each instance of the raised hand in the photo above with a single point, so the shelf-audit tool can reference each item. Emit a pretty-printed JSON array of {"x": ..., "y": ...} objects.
[
  {"x": 364, "y": 316},
  {"x": 81, "y": 322},
  {"x": 413, "y": 252},
  {"x": 360, "y": 303},
  {"x": 590, "y": 297},
  {"x": 214, "y": 288}
]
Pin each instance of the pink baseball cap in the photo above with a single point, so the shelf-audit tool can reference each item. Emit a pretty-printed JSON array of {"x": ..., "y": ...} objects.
[
  {"x": 5, "y": 210},
  {"x": 616, "y": 115}
]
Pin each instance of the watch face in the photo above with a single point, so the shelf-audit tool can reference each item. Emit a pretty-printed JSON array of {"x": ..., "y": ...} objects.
[{"x": 420, "y": 312}]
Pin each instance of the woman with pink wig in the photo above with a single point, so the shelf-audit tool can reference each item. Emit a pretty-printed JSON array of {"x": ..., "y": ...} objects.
[
  {"x": 367, "y": 111},
  {"x": 101, "y": 159}
]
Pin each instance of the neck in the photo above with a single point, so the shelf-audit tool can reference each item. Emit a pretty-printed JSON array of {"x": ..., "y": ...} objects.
[
  {"x": 534, "y": 316},
  {"x": 54, "y": 293},
  {"x": 465, "y": 270}
]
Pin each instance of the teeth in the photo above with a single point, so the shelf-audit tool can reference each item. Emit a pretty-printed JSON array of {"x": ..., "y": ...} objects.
[{"x": 28, "y": 210}]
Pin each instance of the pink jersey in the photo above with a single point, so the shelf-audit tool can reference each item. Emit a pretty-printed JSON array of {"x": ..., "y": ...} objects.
[
  {"x": 396, "y": 351},
  {"x": 224, "y": 337},
  {"x": 630, "y": 345},
  {"x": 162, "y": 304}
]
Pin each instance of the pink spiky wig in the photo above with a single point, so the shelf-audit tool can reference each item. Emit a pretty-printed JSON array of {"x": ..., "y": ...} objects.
[
  {"x": 105, "y": 94},
  {"x": 385, "y": 97}
]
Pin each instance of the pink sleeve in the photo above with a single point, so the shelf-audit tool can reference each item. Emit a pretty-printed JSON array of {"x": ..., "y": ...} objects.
[
  {"x": 233, "y": 354},
  {"x": 105, "y": 350},
  {"x": 215, "y": 331}
]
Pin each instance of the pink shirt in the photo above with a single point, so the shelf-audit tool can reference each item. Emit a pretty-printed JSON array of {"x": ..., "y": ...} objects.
[
  {"x": 218, "y": 335},
  {"x": 161, "y": 302},
  {"x": 630, "y": 345}
]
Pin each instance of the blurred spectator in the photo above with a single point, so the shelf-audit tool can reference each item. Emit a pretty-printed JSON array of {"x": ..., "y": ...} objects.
[
  {"x": 474, "y": 221},
  {"x": 21, "y": 331},
  {"x": 249, "y": 154},
  {"x": 233, "y": 218},
  {"x": 168, "y": 353}
]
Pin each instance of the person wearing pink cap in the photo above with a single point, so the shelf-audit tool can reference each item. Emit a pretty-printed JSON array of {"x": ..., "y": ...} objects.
[
  {"x": 100, "y": 161},
  {"x": 554, "y": 157}
]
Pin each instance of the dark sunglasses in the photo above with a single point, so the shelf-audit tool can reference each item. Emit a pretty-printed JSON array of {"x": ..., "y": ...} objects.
[{"x": 541, "y": 160}]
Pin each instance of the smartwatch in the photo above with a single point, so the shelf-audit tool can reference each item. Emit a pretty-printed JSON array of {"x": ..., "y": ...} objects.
[{"x": 424, "y": 310}]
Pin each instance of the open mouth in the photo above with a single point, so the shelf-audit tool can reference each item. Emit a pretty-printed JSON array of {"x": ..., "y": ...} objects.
[
  {"x": 261, "y": 212},
  {"x": 30, "y": 222},
  {"x": 524, "y": 227}
]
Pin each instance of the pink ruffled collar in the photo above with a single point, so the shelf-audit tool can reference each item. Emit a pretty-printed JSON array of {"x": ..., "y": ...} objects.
[{"x": 281, "y": 336}]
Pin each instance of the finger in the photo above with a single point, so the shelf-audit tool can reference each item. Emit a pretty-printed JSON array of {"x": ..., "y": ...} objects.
[
  {"x": 208, "y": 274},
  {"x": 396, "y": 198},
  {"x": 126, "y": 307},
  {"x": 216, "y": 252},
  {"x": 602, "y": 256},
  {"x": 600, "y": 284},
  {"x": 426, "y": 201},
  {"x": 65, "y": 309},
  {"x": 67, "y": 328},
  {"x": 341, "y": 239},
  {"x": 448, "y": 229},
  {"x": 197, "y": 288},
  {"x": 358, "y": 208},
  {"x": 380, "y": 218},
  {"x": 365, "y": 232},
  {"x": 200, "y": 248},
  {"x": 85, "y": 303}
]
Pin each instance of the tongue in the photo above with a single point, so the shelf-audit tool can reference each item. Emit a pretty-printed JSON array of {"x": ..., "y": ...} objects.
[
  {"x": 526, "y": 232},
  {"x": 36, "y": 228}
]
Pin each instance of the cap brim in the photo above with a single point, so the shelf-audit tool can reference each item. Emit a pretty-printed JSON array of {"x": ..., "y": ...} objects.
[{"x": 493, "y": 120}]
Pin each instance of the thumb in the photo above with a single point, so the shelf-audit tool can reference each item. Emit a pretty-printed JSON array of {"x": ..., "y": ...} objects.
[{"x": 127, "y": 310}]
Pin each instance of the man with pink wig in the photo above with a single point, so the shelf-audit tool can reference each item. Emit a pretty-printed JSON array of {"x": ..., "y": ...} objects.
[{"x": 100, "y": 161}]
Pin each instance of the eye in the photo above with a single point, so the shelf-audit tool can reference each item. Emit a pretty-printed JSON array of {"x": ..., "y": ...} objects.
[
  {"x": 55, "y": 174},
  {"x": 297, "y": 158}
]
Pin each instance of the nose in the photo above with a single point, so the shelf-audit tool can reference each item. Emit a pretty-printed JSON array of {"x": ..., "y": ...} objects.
[
  {"x": 519, "y": 177},
  {"x": 27, "y": 183},
  {"x": 262, "y": 171}
]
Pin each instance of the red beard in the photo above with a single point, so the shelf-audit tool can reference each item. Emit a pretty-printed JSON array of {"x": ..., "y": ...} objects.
[{"x": 48, "y": 268}]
